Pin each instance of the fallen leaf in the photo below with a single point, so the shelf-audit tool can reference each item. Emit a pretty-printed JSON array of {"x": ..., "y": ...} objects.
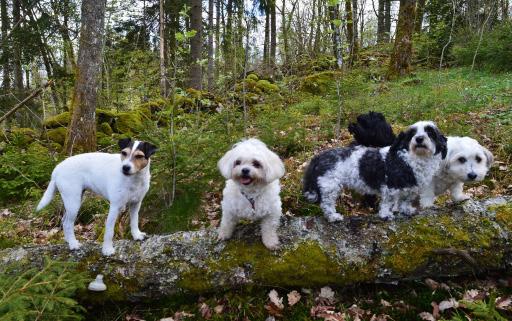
[
  {"x": 205, "y": 311},
  {"x": 219, "y": 309},
  {"x": 167, "y": 319},
  {"x": 435, "y": 310},
  {"x": 427, "y": 316},
  {"x": 326, "y": 296},
  {"x": 293, "y": 297},
  {"x": 473, "y": 295},
  {"x": 273, "y": 310},
  {"x": 448, "y": 304},
  {"x": 133, "y": 317},
  {"x": 275, "y": 299},
  {"x": 503, "y": 303},
  {"x": 433, "y": 285},
  {"x": 385, "y": 303}
]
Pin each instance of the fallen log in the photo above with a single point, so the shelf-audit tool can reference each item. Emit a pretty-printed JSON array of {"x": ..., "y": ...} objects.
[{"x": 449, "y": 241}]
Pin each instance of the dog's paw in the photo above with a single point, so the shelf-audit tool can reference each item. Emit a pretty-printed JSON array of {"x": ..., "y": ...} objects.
[
  {"x": 272, "y": 244},
  {"x": 108, "y": 250},
  {"x": 426, "y": 203},
  {"x": 335, "y": 218},
  {"x": 74, "y": 245},
  {"x": 138, "y": 235},
  {"x": 223, "y": 236},
  {"x": 386, "y": 215},
  {"x": 461, "y": 198}
]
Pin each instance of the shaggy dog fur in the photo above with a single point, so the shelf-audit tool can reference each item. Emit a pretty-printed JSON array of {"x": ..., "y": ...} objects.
[
  {"x": 467, "y": 161},
  {"x": 252, "y": 189},
  {"x": 121, "y": 179},
  {"x": 397, "y": 173}
]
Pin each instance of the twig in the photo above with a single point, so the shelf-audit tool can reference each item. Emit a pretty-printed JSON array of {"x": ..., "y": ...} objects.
[
  {"x": 481, "y": 35},
  {"x": 34, "y": 94}
]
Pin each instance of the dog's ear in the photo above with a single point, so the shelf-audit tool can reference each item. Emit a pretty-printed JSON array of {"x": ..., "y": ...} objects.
[
  {"x": 400, "y": 142},
  {"x": 225, "y": 164},
  {"x": 274, "y": 167},
  {"x": 441, "y": 145},
  {"x": 489, "y": 156},
  {"x": 148, "y": 149},
  {"x": 123, "y": 143}
]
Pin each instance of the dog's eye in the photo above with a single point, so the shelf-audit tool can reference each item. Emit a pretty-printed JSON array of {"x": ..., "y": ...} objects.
[
  {"x": 124, "y": 153},
  {"x": 462, "y": 160},
  {"x": 256, "y": 164},
  {"x": 238, "y": 162},
  {"x": 478, "y": 159},
  {"x": 139, "y": 156}
]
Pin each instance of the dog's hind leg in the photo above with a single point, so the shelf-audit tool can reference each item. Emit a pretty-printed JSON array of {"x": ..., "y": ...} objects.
[
  {"x": 134, "y": 222},
  {"x": 71, "y": 200},
  {"x": 113, "y": 213},
  {"x": 328, "y": 202}
]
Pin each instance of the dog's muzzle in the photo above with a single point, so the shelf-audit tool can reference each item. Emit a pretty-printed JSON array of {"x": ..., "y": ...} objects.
[
  {"x": 472, "y": 176},
  {"x": 126, "y": 169},
  {"x": 245, "y": 178}
]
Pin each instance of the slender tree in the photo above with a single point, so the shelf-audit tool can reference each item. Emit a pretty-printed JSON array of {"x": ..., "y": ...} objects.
[
  {"x": 381, "y": 32},
  {"x": 387, "y": 20},
  {"x": 6, "y": 84},
  {"x": 273, "y": 33},
  {"x": 420, "y": 10},
  {"x": 16, "y": 52},
  {"x": 196, "y": 48},
  {"x": 210, "y": 44},
  {"x": 400, "y": 62},
  {"x": 81, "y": 135},
  {"x": 163, "y": 65}
]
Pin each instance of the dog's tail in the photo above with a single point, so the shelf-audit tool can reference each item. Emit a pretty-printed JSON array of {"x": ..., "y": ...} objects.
[
  {"x": 47, "y": 197},
  {"x": 310, "y": 189},
  {"x": 372, "y": 130}
]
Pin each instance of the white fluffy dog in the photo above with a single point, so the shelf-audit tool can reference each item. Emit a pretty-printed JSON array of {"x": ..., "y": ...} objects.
[
  {"x": 467, "y": 162},
  {"x": 123, "y": 179},
  {"x": 252, "y": 189}
]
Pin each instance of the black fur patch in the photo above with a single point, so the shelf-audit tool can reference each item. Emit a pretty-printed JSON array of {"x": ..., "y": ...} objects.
[
  {"x": 372, "y": 168},
  {"x": 320, "y": 164},
  {"x": 398, "y": 173},
  {"x": 125, "y": 142},
  {"x": 439, "y": 139},
  {"x": 147, "y": 148},
  {"x": 372, "y": 130}
]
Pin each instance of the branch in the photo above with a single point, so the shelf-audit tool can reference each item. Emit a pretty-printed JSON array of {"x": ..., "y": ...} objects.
[
  {"x": 454, "y": 240},
  {"x": 34, "y": 94}
]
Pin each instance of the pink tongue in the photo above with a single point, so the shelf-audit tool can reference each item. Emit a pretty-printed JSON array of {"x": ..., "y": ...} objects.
[{"x": 245, "y": 180}]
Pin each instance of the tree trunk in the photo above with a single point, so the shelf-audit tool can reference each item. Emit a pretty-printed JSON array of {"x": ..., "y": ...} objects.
[
  {"x": 218, "y": 8},
  {"x": 504, "y": 10},
  {"x": 473, "y": 238},
  {"x": 361, "y": 24},
  {"x": 16, "y": 50},
  {"x": 387, "y": 21},
  {"x": 273, "y": 35},
  {"x": 266, "y": 40},
  {"x": 210, "y": 45},
  {"x": 228, "y": 38},
  {"x": 81, "y": 135},
  {"x": 163, "y": 67},
  {"x": 381, "y": 32},
  {"x": 420, "y": 10},
  {"x": 6, "y": 81},
  {"x": 351, "y": 35},
  {"x": 400, "y": 62},
  {"x": 284, "y": 32},
  {"x": 336, "y": 36},
  {"x": 196, "y": 44}
]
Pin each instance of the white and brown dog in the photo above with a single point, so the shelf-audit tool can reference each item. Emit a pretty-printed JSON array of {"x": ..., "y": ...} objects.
[
  {"x": 252, "y": 189},
  {"x": 121, "y": 179}
]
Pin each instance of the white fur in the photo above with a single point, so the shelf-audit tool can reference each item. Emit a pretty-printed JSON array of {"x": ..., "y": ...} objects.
[
  {"x": 263, "y": 190},
  {"x": 452, "y": 173},
  {"x": 102, "y": 174}
]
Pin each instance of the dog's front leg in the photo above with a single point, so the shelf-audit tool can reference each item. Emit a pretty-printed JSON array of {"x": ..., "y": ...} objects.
[
  {"x": 134, "y": 222},
  {"x": 227, "y": 226},
  {"x": 457, "y": 192},
  {"x": 427, "y": 196},
  {"x": 269, "y": 225},
  {"x": 113, "y": 213}
]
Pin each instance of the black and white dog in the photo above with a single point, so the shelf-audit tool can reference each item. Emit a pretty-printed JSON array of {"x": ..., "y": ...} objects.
[
  {"x": 467, "y": 161},
  {"x": 397, "y": 173}
]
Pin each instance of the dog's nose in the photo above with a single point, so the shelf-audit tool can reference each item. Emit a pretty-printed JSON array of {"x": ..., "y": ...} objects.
[
  {"x": 472, "y": 176},
  {"x": 126, "y": 168},
  {"x": 420, "y": 139},
  {"x": 245, "y": 171}
]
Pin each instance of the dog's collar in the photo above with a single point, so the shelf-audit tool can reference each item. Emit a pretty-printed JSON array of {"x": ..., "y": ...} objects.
[{"x": 250, "y": 199}]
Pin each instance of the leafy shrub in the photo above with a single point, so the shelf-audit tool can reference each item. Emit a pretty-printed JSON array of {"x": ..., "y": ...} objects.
[
  {"x": 41, "y": 294},
  {"x": 494, "y": 53}
]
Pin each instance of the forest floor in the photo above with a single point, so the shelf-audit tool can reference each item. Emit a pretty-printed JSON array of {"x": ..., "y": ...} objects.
[{"x": 298, "y": 120}]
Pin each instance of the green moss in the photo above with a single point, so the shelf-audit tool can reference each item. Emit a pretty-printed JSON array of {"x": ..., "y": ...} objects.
[
  {"x": 105, "y": 116},
  {"x": 22, "y": 136},
  {"x": 128, "y": 122},
  {"x": 318, "y": 83},
  {"x": 105, "y": 129},
  {"x": 59, "y": 120},
  {"x": 266, "y": 86},
  {"x": 416, "y": 241},
  {"x": 504, "y": 215},
  {"x": 195, "y": 280},
  {"x": 57, "y": 135},
  {"x": 151, "y": 107},
  {"x": 253, "y": 76}
]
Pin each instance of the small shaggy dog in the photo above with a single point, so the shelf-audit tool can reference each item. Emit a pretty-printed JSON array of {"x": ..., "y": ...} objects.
[
  {"x": 397, "y": 173},
  {"x": 467, "y": 161},
  {"x": 252, "y": 189},
  {"x": 121, "y": 179}
]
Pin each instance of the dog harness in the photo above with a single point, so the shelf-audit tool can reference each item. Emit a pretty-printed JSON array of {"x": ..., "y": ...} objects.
[{"x": 250, "y": 199}]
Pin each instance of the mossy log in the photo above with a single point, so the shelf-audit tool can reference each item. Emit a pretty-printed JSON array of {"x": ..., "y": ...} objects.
[{"x": 455, "y": 240}]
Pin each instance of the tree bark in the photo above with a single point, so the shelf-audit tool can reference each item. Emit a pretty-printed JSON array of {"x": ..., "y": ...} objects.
[
  {"x": 420, "y": 10},
  {"x": 163, "y": 66},
  {"x": 400, "y": 62},
  {"x": 381, "y": 32},
  {"x": 351, "y": 31},
  {"x": 16, "y": 50},
  {"x": 210, "y": 45},
  {"x": 81, "y": 135},
  {"x": 196, "y": 44},
  {"x": 336, "y": 35},
  {"x": 387, "y": 21},
  {"x": 266, "y": 40},
  {"x": 273, "y": 35},
  {"x": 6, "y": 81},
  {"x": 446, "y": 242}
]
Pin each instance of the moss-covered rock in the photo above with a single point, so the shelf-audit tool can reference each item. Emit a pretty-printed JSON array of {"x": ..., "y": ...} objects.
[
  {"x": 59, "y": 120},
  {"x": 318, "y": 83},
  {"x": 57, "y": 135},
  {"x": 266, "y": 86},
  {"x": 106, "y": 116},
  {"x": 253, "y": 76},
  {"x": 105, "y": 129},
  {"x": 128, "y": 122},
  {"x": 21, "y": 137}
]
